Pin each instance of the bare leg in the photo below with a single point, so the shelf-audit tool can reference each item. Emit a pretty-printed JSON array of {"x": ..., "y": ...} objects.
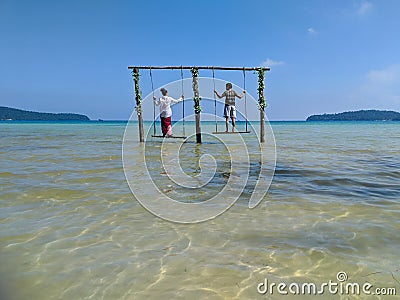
[
  {"x": 169, "y": 132},
  {"x": 233, "y": 124},
  {"x": 226, "y": 124}
]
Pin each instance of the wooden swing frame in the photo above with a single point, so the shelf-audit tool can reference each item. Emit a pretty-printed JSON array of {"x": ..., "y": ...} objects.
[{"x": 194, "y": 70}]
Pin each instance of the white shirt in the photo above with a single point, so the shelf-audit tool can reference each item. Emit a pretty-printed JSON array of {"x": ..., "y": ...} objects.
[{"x": 165, "y": 105}]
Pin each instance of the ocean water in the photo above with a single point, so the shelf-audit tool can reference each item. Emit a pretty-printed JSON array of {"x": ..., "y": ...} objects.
[{"x": 70, "y": 227}]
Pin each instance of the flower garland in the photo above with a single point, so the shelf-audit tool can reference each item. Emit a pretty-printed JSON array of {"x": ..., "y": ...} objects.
[
  {"x": 138, "y": 94},
  {"x": 195, "y": 86},
  {"x": 261, "y": 99}
]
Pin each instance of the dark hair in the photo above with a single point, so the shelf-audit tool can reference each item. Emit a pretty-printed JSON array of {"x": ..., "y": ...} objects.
[
  {"x": 163, "y": 91},
  {"x": 228, "y": 85}
]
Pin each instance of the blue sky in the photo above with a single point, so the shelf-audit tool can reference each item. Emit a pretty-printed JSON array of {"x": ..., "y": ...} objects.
[{"x": 325, "y": 56}]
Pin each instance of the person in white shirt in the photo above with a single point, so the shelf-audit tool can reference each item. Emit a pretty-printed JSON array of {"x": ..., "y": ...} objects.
[{"x": 165, "y": 111}]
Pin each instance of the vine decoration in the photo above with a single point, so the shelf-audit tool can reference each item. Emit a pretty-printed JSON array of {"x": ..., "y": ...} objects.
[
  {"x": 195, "y": 86},
  {"x": 138, "y": 93},
  {"x": 262, "y": 103}
]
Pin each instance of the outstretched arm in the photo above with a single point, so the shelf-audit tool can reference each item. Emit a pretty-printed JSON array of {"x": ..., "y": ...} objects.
[
  {"x": 156, "y": 102},
  {"x": 177, "y": 100},
  {"x": 240, "y": 96},
  {"x": 218, "y": 95}
]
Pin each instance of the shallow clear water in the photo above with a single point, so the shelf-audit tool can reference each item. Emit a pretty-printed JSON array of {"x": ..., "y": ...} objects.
[{"x": 71, "y": 229}]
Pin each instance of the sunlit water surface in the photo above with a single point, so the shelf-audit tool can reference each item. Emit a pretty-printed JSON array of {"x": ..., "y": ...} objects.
[{"x": 71, "y": 229}]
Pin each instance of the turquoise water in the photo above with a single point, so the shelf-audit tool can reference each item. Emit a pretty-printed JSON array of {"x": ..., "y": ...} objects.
[{"x": 71, "y": 229}]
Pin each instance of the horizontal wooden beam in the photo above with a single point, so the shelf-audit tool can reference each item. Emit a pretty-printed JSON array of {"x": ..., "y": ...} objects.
[{"x": 199, "y": 68}]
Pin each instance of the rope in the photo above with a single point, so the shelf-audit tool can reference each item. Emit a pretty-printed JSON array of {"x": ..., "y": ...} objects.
[
  {"x": 215, "y": 102},
  {"x": 245, "y": 95},
  {"x": 183, "y": 105},
  {"x": 154, "y": 105}
]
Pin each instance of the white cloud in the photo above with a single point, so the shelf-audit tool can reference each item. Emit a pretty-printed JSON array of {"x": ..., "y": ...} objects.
[
  {"x": 380, "y": 88},
  {"x": 270, "y": 62},
  {"x": 364, "y": 8},
  {"x": 312, "y": 31},
  {"x": 387, "y": 76}
]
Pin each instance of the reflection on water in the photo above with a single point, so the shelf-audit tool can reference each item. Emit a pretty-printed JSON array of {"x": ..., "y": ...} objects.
[{"x": 70, "y": 228}]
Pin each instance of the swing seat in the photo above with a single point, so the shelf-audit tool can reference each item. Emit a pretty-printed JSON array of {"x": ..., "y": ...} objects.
[
  {"x": 169, "y": 137},
  {"x": 229, "y": 132}
]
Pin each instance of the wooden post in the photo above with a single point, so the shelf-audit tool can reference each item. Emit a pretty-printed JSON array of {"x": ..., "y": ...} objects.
[
  {"x": 138, "y": 98},
  {"x": 262, "y": 129},
  {"x": 262, "y": 103},
  {"x": 198, "y": 129},
  {"x": 196, "y": 99}
]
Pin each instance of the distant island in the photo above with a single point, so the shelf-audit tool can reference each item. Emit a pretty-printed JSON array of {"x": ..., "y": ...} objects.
[
  {"x": 360, "y": 115},
  {"x": 13, "y": 114}
]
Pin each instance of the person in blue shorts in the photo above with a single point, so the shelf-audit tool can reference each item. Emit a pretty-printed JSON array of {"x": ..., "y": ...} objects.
[{"x": 229, "y": 109}]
